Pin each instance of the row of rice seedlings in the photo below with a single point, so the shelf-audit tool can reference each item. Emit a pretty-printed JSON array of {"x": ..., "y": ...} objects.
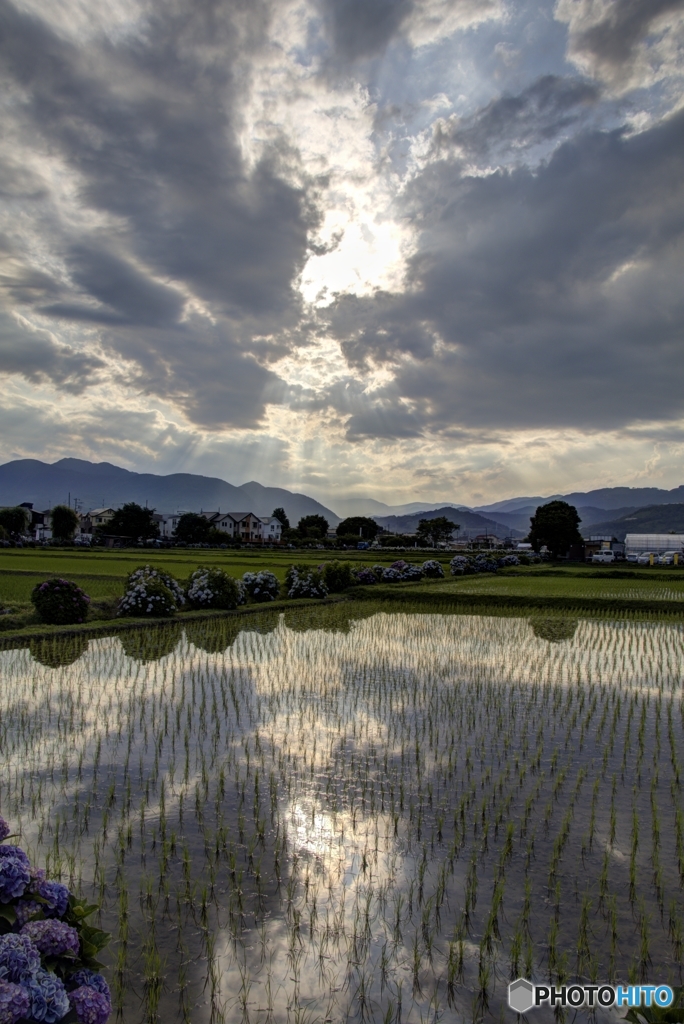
[{"x": 368, "y": 802}]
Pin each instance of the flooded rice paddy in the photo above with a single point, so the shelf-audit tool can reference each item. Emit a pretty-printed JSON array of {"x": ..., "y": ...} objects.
[{"x": 335, "y": 815}]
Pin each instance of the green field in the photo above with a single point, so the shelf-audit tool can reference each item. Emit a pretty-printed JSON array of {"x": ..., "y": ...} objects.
[{"x": 102, "y": 575}]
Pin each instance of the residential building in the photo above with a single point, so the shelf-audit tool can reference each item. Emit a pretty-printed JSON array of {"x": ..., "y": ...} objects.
[
  {"x": 98, "y": 517},
  {"x": 243, "y": 526},
  {"x": 271, "y": 530}
]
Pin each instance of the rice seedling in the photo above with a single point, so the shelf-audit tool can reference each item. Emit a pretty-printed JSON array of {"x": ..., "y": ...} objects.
[{"x": 347, "y": 813}]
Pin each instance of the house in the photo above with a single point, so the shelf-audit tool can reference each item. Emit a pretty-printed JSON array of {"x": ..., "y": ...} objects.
[
  {"x": 243, "y": 526},
  {"x": 39, "y": 526},
  {"x": 97, "y": 517},
  {"x": 271, "y": 530}
]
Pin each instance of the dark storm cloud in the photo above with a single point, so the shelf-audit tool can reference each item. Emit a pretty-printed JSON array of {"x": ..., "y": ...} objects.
[
  {"x": 36, "y": 356},
  {"x": 611, "y": 42},
  {"x": 148, "y": 125},
  {"x": 539, "y": 297},
  {"x": 131, "y": 296},
  {"x": 547, "y": 108},
  {"x": 363, "y": 28}
]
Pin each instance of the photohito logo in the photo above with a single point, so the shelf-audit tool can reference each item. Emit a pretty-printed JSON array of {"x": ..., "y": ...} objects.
[{"x": 524, "y": 996}]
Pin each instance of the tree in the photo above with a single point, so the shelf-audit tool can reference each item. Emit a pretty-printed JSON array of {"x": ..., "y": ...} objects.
[
  {"x": 556, "y": 526},
  {"x": 361, "y": 527},
  {"x": 133, "y": 522},
  {"x": 279, "y": 514},
  {"x": 64, "y": 522},
  {"x": 435, "y": 531},
  {"x": 312, "y": 526},
  {"x": 14, "y": 520},
  {"x": 193, "y": 528}
]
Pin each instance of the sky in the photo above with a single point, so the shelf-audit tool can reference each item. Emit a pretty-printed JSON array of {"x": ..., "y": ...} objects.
[{"x": 404, "y": 249}]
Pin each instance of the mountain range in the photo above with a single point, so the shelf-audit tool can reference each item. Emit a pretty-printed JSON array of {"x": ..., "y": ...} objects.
[
  {"x": 614, "y": 510},
  {"x": 97, "y": 485}
]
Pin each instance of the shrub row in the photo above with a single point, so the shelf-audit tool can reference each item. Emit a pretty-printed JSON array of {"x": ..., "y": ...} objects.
[{"x": 153, "y": 592}]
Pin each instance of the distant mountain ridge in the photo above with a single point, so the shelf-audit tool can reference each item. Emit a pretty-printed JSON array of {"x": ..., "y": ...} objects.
[
  {"x": 608, "y": 498},
  {"x": 470, "y": 523},
  {"x": 101, "y": 484}
]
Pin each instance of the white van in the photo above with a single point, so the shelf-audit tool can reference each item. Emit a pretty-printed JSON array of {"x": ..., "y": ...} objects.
[{"x": 603, "y": 556}]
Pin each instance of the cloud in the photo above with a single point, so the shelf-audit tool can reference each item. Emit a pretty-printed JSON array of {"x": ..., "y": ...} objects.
[
  {"x": 625, "y": 43},
  {"x": 37, "y": 356},
  {"x": 360, "y": 29},
  {"x": 511, "y": 124},
  {"x": 538, "y": 296}
]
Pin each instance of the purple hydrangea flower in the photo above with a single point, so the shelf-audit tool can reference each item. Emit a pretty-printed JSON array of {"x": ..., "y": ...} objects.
[
  {"x": 14, "y": 1003},
  {"x": 25, "y": 910},
  {"x": 19, "y": 958},
  {"x": 38, "y": 875},
  {"x": 14, "y": 877},
  {"x": 90, "y": 978},
  {"x": 91, "y": 1006},
  {"x": 49, "y": 1001},
  {"x": 57, "y": 896},
  {"x": 4, "y": 829},
  {"x": 15, "y": 851},
  {"x": 53, "y": 938}
]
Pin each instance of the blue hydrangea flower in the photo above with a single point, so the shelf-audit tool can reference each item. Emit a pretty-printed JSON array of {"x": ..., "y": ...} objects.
[
  {"x": 15, "y": 851},
  {"x": 14, "y": 878},
  {"x": 4, "y": 829},
  {"x": 49, "y": 1000},
  {"x": 52, "y": 937},
  {"x": 57, "y": 896},
  {"x": 90, "y": 978},
  {"x": 14, "y": 1003},
  {"x": 25, "y": 910},
  {"x": 19, "y": 958},
  {"x": 91, "y": 1006}
]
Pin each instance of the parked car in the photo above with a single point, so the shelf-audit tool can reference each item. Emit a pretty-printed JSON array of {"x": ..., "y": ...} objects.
[
  {"x": 645, "y": 559},
  {"x": 603, "y": 557},
  {"x": 667, "y": 558}
]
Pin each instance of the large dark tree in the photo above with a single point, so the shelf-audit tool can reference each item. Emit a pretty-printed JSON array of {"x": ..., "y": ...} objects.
[
  {"x": 133, "y": 522},
  {"x": 312, "y": 526},
  {"x": 14, "y": 520},
  {"x": 361, "y": 527},
  {"x": 279, "y": 514},
  {"x": 192, "y": 528},
  {"x": 435, "y": 531},
  {"x": 556, "y": 526},
  {"x": 64, "y": 522}
]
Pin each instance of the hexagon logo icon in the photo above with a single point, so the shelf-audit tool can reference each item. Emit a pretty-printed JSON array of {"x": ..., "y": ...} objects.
[{"x": 521, "y": 995}]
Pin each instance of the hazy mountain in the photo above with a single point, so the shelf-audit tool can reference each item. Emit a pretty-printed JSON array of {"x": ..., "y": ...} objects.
[
  {"x": 650, "y": 519},
  {"x": 296, "y": 505},
  {"x": 612, "y": 499},
  {"x": 371, "y": 507},
  {"x": 520, "y": 518},
  {"x": 97, "y": 484},
  {"x": 470, "y": 523}
]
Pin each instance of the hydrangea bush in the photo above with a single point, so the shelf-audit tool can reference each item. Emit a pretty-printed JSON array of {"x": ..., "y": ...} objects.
[
  {"x": 337, "y": 575},
  {"x": 433, "y": 569},
  {"x": 48, "y": 970},
  {"x": 412, "y": 573},
  {"x": 214, "y": 588},
  {"x": 60, "y": 602},
  {"x": 365, "y": 576},
  {"x": 151, "y": 592},
  {"x": 305, "y": 581},
  {"x": 261, "y": 586}
]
